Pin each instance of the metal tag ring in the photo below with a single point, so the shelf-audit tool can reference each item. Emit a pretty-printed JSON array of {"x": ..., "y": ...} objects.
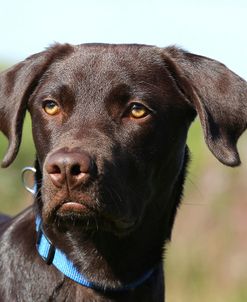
[{"x": 33, "y": 189}]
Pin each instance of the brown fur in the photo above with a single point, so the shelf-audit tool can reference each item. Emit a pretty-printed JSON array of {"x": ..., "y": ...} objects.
[{"x": 126, "y": 175}]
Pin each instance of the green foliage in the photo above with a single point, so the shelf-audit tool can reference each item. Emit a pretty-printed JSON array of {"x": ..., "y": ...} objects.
[{"x": 13, "y": 195}]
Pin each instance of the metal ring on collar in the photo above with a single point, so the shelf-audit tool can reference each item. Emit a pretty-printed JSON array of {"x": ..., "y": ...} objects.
[{"x": 33, "y": 189}]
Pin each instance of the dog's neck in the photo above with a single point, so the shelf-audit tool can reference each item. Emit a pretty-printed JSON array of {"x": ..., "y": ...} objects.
[{"x": 111, "y": 261}]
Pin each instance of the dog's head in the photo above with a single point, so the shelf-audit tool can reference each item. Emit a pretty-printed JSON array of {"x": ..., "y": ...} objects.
[{"x": 110, "y": 125}]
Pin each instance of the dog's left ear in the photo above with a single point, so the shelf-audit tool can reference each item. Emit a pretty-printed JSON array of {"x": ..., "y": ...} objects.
[
  {"x": 16, "y": 86},
  {"x": 217, "y": 94}
]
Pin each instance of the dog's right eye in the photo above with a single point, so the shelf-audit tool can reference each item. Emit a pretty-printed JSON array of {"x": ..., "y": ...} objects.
[{"x": 51, "y": 107}]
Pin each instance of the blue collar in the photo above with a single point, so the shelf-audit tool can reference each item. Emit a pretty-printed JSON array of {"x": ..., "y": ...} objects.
[{"x": 51, "y": 255}]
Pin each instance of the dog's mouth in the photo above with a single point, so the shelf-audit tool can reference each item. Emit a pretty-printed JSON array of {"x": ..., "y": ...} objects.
[
  {"x": 79, "y": 215},
  {"x": 72, "y": 207},
  {"x": 72, "y": 210}
]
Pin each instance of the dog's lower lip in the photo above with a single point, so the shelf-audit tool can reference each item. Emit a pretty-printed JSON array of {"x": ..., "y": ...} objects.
[{"x": 72, "y": 207}]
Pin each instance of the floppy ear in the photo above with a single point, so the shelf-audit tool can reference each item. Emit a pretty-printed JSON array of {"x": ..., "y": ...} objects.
[
  {"x": 16, "y": 86},
  {"x": 217, "y": 94}
]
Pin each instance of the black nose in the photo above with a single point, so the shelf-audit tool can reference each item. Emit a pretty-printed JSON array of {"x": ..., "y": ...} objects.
[{"x": 69, "y": 167}]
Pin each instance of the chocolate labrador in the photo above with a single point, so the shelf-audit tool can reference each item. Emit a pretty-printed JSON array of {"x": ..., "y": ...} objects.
[{"x": 109, "y": 124}]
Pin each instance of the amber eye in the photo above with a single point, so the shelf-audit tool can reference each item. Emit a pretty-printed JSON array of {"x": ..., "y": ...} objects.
[
  {"x": 51, "y": 107},
  {"x": 138, "y": 111}
]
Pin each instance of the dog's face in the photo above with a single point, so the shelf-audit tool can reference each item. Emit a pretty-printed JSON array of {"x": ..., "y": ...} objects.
[
  {"x": 110, "y": 126},
  {"x": 112, "y": 109}
]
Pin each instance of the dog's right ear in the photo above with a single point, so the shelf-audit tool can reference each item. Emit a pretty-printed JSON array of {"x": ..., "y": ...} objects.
[{"x": 16, "y": 86}]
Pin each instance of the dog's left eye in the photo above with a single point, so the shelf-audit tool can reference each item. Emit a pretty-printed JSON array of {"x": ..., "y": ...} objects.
[
  {"x": 51, "y": 107},
  {"x": 138, "y": 111}
]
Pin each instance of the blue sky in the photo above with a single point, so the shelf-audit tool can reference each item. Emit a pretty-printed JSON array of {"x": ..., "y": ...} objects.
[{"x": 215, "y": 28}]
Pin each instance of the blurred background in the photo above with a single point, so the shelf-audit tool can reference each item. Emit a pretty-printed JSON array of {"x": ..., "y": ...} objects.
[{"x": 207, "y": 258}]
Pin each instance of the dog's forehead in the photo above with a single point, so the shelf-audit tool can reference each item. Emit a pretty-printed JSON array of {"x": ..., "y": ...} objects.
[
  {"x": 109, "y": 55},
  {"x": 98, "y": 64}
]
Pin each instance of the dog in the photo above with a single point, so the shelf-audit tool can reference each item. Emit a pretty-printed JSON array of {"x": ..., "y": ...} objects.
[{"x": 109, "y": 125}]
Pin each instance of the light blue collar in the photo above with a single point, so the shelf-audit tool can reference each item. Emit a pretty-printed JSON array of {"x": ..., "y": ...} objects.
[{"x": 52, "y": 255}]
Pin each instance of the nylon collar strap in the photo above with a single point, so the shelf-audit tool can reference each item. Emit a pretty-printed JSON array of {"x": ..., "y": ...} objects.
[{"x": 52, "y": 255}]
